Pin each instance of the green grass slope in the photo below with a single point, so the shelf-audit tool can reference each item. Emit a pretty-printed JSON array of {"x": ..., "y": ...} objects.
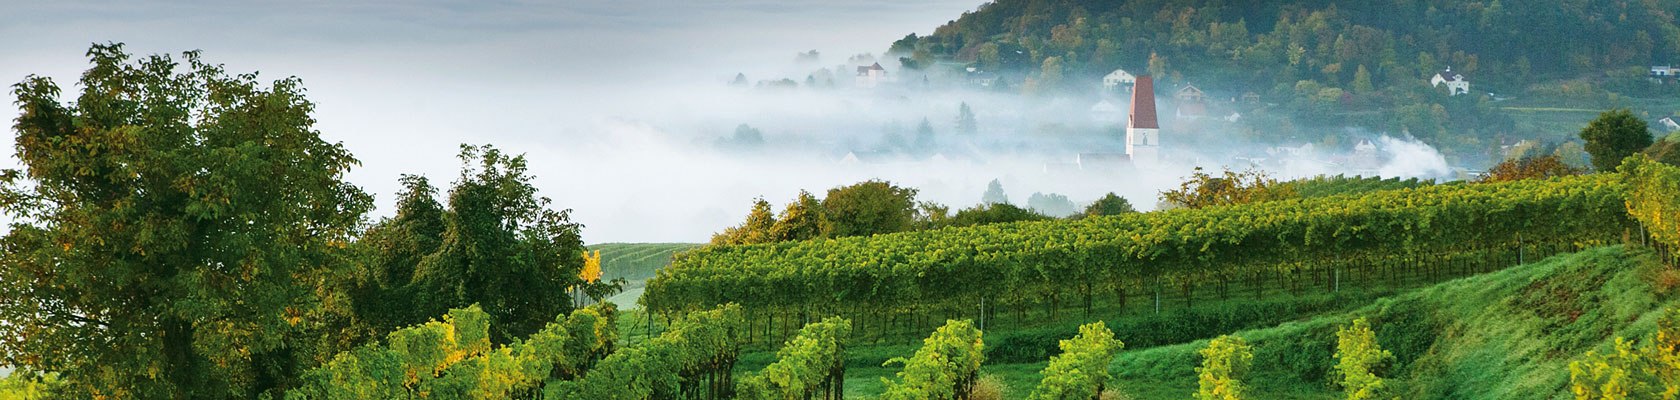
[
  {"x": 636, "y": 263},
  {"x": 1504, "y": 335}
]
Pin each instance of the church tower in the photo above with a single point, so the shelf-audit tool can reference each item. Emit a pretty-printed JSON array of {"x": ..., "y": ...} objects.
[{"x": 1143, "y": 133}]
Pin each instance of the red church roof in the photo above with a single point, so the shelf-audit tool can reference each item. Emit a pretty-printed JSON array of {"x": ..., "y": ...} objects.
[{"x": 1143, "y": 104}]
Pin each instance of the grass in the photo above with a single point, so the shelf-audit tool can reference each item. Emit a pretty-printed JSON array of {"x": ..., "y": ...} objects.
[{"x": 1503, "y": 335}]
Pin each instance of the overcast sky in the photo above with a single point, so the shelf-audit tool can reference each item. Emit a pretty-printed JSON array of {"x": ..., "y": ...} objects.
[{"x": 588, "y": 88}]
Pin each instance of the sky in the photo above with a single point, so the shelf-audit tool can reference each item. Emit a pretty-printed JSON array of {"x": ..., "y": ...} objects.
[{"x": 607, "y": 98}]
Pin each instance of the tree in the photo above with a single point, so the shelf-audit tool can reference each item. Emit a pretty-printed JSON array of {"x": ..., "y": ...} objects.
[
  {"x": 1109, "y": 204},
  {"x": 1666, "y": 150},
  {"x": 1052, "y": 204},
  {"x": 1647, "y": 371},
  {"x": 503, "y": 248},
  {"x": 1614, "y": 135},
  {"x": 924, "y": 135},
  {"x": 1203, "y": 190},
  {"x": 965, "y": 120},
  {"x": 1362, "y": 81},
  {"x": 803, "y": 219},
  {"x": 1532, "y": 167},
  {"x": 756, "y": 229},
  {"x": 1358, "y": 359},
  {"x": 869, "y": 208},
  {"x": 994, "y": 194},
  {"x": 1225, "y": 362},
  {"x": 995, "y": 213},
  {"x": 390, "y": 250},
  {"x": 175, "y": 227}
]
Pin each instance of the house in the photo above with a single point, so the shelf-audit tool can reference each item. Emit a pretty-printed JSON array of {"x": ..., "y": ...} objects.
[
  {"x": 1118, "y": 78},
  {"x": 1189, "y": 93},
  {"x": 1664, "y": 71},
  {"x": 1670, "y": 123},
  {"x": 1143, "y": 141},
  {"x": 1251, "y": 98},
  {"x": 1456, "y": 83},
  {"x": 870, "y": 75}
]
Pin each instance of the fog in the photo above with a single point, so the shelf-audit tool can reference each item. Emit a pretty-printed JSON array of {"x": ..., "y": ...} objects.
[{"x": 623, "y": 107}]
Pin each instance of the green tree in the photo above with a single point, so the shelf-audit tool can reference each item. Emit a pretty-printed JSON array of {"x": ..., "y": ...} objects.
[
  {"x": 1204, "y": 190},
  {"x": 1109, "y": 204},
  {"x": 503, "y": 248},
  {"x": 1362, "y": 81},
  {"x": 383, "y": 297},
  {"x": 1358, "y": 359},
  {"x": 175, "y": 227},
  {"x": 1052, "y": 204},
  {"x": 803, "y": 219},
  {"x": 869, "y": 208},
  {"x": 1614, "y": 135},
  {"x": 996, "y": 213},
  {"x": 1080, "y": 372},
  {"x": 756, "y": 229},
  {"x": 1225, "y": 362}
]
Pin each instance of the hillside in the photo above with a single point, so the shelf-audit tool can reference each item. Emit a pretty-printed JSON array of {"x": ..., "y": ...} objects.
[
  {"x": 1318, "y": 65},
  {"x": 635, "y": 263},
  {"x": 1504, "y": 335}
]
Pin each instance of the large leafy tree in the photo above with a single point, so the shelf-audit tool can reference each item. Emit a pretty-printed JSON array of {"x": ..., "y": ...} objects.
[
  {"x": 391, "y": 249},
  {"x": 502, "y": 248},
  {"x": 869, "y": 208},
  {"x": 1614, "y": 135},
  {"x": 175, "y": 229}
]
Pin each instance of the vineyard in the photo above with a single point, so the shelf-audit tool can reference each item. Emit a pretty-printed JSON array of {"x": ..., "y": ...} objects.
[{"x": 1000, "y": 274}]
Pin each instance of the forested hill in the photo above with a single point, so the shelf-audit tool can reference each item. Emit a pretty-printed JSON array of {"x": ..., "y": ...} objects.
[{"x": 1265, "y": 44}]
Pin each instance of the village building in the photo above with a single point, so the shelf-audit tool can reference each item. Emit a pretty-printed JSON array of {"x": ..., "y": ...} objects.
[
  {"x": 1672, "y": 124},
  {"x": 869, "y": 76},
  {"x": 1118, "y": 79},
  {"x": 1664, "y": 73},
  {"x": 1456, "y": 83},
  {"x": 1143, "y": 131},
  {"x": 1190, "y": 94},
  {"x": 1105, "y": 112}
]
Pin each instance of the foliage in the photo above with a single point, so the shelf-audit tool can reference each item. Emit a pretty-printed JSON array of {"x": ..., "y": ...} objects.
[
  {"x": 965, "y": 119},
  {"x": 1109, "y": 204},
  {"x": 1081, "y": 371},
  {"x": 1614, "y": 135},
  {"x": 1225, "y": 363},
  {"x": 174, "y": 227},
  {"x": 993, "y": 213},
  {"x": 28, "y": 385},
  {"x": 1653, "y": 198},
  {"x": 994, "y": 194},
  {"x": 1024, "y": 263},
  {"x": 1327, "y": 185},
  {"x": 454, "y": 359},
  {"x": 692, "y": 359},
  {"x": 755, "y": 230},
  {"x": 502, "y": 248},
  {"x": 946, "y": 367},
  {"x": 811, "y": 365},
  {"x": 381, "y": 290},
  {"x": 1359, "y": 359},
  {"x": 869, "y": 208},
  {"x": 803, "y": 219},
  {"x": 1204, "y": 190},
  {"x": 1649, "y": 371},
  {"x": 1531, "y": 167},
  {"x": 1052, "y": 204},
  {"x": 1666, "y": 150}
]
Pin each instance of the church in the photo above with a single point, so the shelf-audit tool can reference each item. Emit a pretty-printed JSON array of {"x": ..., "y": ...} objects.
[{"x": 1143, "y": 132}]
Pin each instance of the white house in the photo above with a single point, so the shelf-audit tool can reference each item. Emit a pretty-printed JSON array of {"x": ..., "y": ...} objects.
[
  {"x": 1118, "y": 78},
  {"x": 870, "y": 75},
  {"x": 1664, "y": 71},
  {"x": 1670, "y": 123},
  {"x": 1143, "y": 132},
  {"x": 1456, "y": 83}
]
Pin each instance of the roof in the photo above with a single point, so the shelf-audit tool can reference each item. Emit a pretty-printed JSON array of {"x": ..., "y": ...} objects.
[
  {"x": 1190, "y": 89},
  {"x": 1449, "y": 75},
  {"x": 875, "y": 67},
  {"x": 1143, "y": 104}
]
